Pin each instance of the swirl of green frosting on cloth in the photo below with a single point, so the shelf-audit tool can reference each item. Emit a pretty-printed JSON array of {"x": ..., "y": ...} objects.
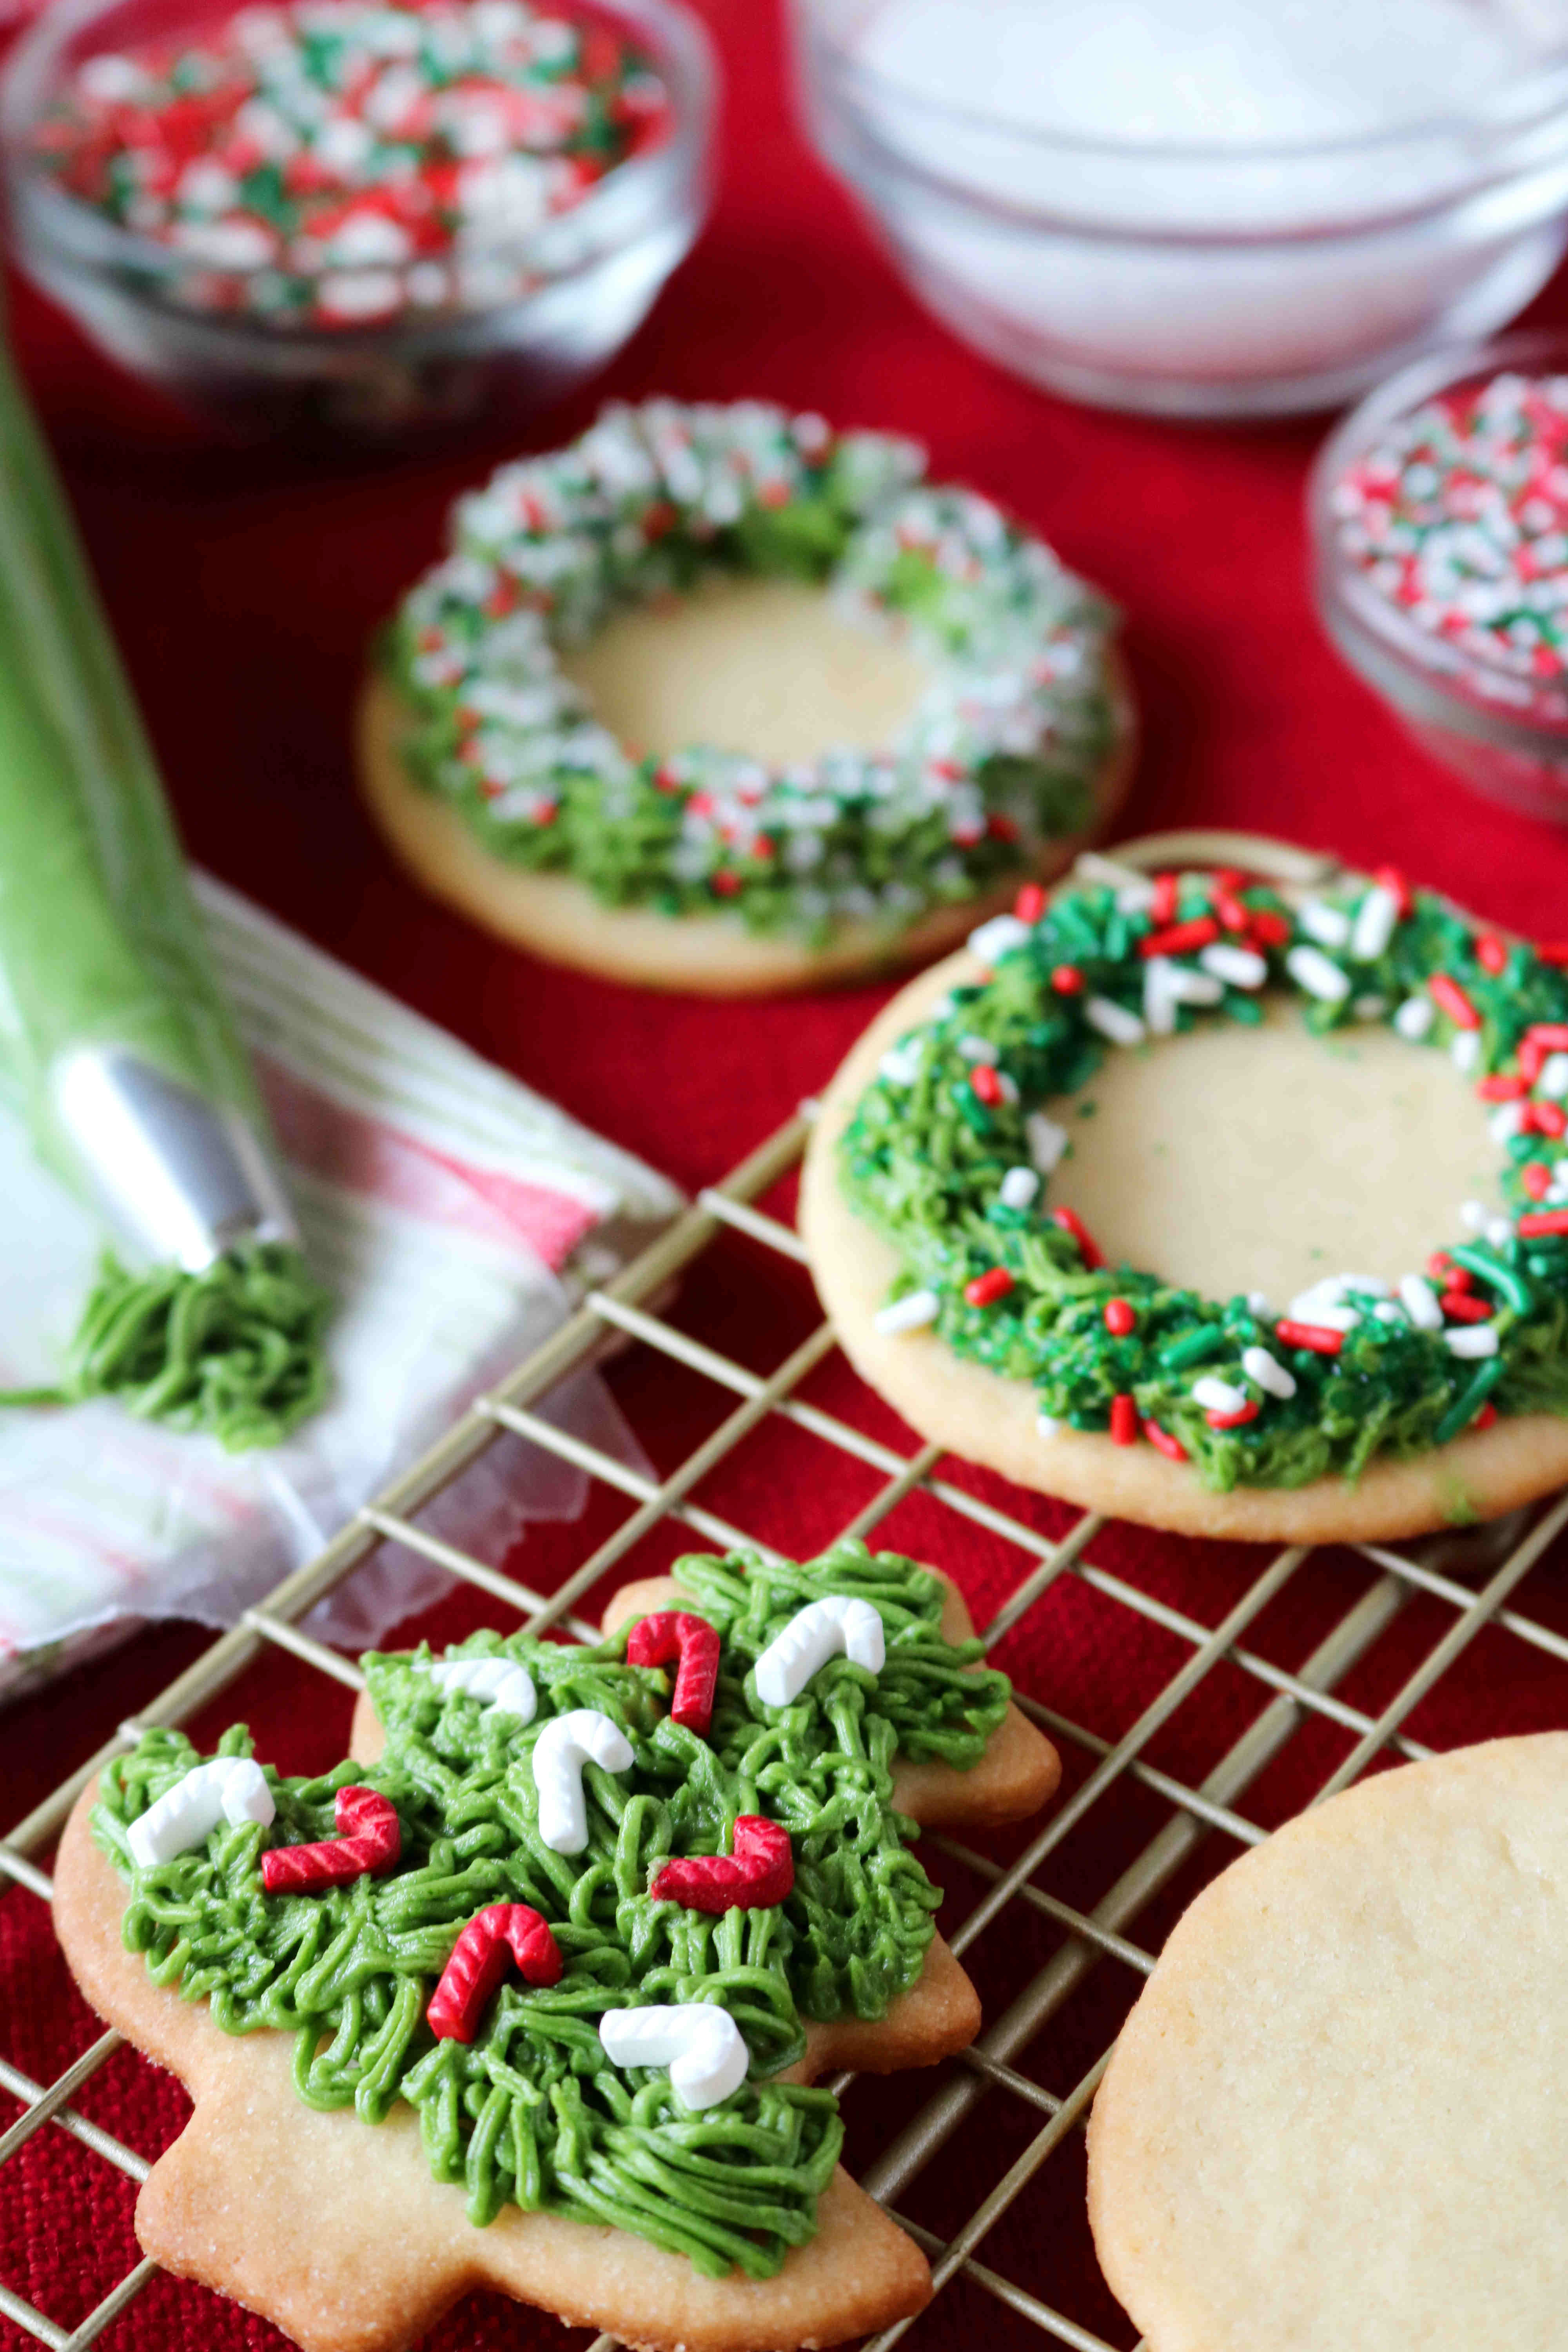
[
  {"x": 233, "y": 1353},
  {"x": 1001, "y": 755},
  {"x": 959, "y": 1109},
  {"x": 531, "y": 2112}
]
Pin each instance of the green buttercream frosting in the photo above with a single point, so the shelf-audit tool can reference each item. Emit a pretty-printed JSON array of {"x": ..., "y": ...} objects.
[
  {"x": 233, "y": 1353},
  {"x": 1000, "y": 757},
  {"x": 531, "y": 2112},
  {"x": 925, "y": 1158}
]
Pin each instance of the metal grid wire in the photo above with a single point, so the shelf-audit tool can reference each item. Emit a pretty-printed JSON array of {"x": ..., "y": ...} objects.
[{"x": 1291, "y": 1701}]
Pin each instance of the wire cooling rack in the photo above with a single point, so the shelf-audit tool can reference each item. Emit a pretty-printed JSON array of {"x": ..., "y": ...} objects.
[{"x": 1399, "y": 1625}]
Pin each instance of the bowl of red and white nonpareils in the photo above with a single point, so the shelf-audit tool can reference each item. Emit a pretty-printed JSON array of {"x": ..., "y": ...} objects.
[
  {"x": 379, "y": 215},
  {"x": 1439, "y": 519}
]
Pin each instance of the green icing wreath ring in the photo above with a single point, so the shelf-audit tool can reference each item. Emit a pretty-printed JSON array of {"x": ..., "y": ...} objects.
[
  {"x": 985, "y": 1312},
  {"x": 1017, "y": 746}
]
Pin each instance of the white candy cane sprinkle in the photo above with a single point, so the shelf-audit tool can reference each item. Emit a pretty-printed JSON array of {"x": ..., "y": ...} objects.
[
  {"x": 1318, "y": 974},
  {"x": 1473, "y": 1216},
  {"x": 1505, "y": 1122},
  {"x": 1237, "y": 967},
  {"x": 1414, "y": 1018},
  {"x": 1554, "y": 1078},
  {"x": 1114, "y": 1021},
  {"x": 698, "y": 2042},
  {"x": 1473, "y": 1339},
  {"x": 494, "y": 1682},
  {"x": 1325, "y": 924},
  {"x": 1046, "y": 1425},
  {"x": 1046, "y": 1141},
  {"x": 228, "y": 1788},
  {"x": 1421, "y": 1303},
  {"x": 1019, "y": 1187},
  {"x": 1267, "y": 1371},
  {"x": 911, "y": 1313},
  {"x": 1466, "y": 1051},
  {"x": 1376, "y": 919},
  {"x": 902, "y": 1066},
  {"x": 998, "y": 938},
  {"x": 1219, "y": 1396},
  {"x": 980, "y": 1049},
  {"x": 565, "y": 1744},
  {"x": 1498, "y": 1231},
  {"x": 839, "y": 1625}
]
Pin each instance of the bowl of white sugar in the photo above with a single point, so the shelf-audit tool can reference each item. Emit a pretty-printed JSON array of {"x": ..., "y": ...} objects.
[{"x": 1203, "y": 208}]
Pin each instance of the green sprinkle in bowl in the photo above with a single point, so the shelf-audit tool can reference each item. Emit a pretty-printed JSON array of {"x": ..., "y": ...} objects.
[
  {"x": 512, "y": 321},
  {"x": 1504, "y": 730}
]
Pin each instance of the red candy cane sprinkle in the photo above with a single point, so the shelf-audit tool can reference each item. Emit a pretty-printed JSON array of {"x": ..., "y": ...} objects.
[
  {"x": 678, "y": 1633},
  {"x": 1163, "y": 1442},
  {"x": 1071, "y": 1223},
  {"x": 1030, "y": 903},
  {"x": 758, "y": 1873},
  {"x": 1237, "y": 1420},
  {"x": 1504, "y": 1089},
  {"x": 1315, "y": 1337},
  {"x": 1181, "y": 939},
  {"x": 477, "y": 1964},
  {"x": 1450, "y": 998},
  {"x": 1492, "y": 953},
  {"x": 1067, "y": 980},
  {"x": 986, "y": 1085},
  {"x": 1547, "y": 1119},
  {"x": 1463, "y": 1306},
  {"x": 1550, "y": 1036},
  {"x": 986, "y": 1288},
  {"x": 1235, "y": 916},
  {"x": 371, "y": 1839},
  {"x": 1390, "y": 879},
  {"x": 1121, "y": 1318},
  {"x": 1166, "y": 898},
  {"x": 1536, "y": 1180},
  {"x": 1539, "y": 1224},
  {"x": 1269, "y": 928},
  {"x": 1441, "y": 1269},
  {"x": 1124, "y": 1428}
]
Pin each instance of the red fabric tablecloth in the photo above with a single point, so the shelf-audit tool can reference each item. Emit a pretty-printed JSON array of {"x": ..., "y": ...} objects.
[{"x": 244, "y": 590}]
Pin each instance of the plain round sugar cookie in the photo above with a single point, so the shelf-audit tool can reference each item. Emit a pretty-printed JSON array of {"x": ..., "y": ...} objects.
[
  {"x": 1335, "y": 2117},
  {"x": 718, "y": 698},
  {"x": 706, "y": 955},
  {"x": 983, "y": 1416}
]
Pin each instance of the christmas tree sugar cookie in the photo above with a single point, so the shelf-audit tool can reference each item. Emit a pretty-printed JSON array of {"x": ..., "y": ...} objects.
[
  {"x": 1335, "y": 2116},
  {"x": 531, "y": 1991},
  {"x": 717, "y": 698},
  {"x": 1235, "y": 1208}
]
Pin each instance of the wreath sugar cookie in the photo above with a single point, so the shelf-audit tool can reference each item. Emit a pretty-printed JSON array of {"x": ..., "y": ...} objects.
[
  {"x": 1335, "y": 2116},
  {"x": 532, "y": 1992},
  {"x": 774, "y": 580},
  {"x": 1082, "y": 1202}
]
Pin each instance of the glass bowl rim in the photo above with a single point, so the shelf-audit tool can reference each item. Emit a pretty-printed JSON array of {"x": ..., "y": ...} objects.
[
  {"x": 1549, "y": 71},
  {"x": 1388, "y": 650},
  {"x": 685, "y": 57}
]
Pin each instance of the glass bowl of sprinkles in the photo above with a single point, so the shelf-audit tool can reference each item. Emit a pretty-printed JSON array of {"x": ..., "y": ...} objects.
[
  {"x": 1439, "y": 521},
  {"x": 370, "y": 216}
]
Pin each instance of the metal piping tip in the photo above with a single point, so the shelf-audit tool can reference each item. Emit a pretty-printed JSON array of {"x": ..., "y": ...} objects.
[{"x": 179, "y": 1176}]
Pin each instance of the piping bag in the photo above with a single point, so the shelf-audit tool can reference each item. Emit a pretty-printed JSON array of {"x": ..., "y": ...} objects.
[{"x": 117, "y": 1048}]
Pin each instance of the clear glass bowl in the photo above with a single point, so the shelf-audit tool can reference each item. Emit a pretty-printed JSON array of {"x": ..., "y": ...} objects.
[
  {"x": 1506, "y": 735},
  {"x": 1201, "y": 281},
  {"x": 589, "y": 275}
]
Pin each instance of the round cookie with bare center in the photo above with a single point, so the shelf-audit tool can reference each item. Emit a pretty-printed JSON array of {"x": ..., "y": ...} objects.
[
  {"x": 1094, "y": 1205},
  {"x": 716, "y": 698},
  {"x": 1335, "y": 2116}
]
